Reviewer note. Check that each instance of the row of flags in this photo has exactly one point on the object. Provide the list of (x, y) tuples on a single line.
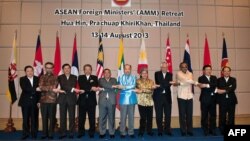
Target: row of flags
[(142, 62)]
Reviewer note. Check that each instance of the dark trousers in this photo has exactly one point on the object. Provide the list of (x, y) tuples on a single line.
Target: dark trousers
[(83, 110), (185, 115), (146, 116), (48, 111), (63, 118), (226, 115), (208, 116), (163, 105), (30, 119)]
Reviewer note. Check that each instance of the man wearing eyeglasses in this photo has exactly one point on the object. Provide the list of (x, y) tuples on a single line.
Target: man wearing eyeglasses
[(48, 87)]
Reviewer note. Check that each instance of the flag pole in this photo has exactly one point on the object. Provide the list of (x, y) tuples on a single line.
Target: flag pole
[(10, 125)]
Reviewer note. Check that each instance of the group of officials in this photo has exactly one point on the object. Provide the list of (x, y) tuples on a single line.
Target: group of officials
[(68, 91)]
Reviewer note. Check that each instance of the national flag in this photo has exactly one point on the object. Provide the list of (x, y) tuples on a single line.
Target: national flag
[(169, 61), (187, 59), (206, 60), (75, 65), (169, 56), (224, 61), (100, 60), (57, 58), (121, 63), (38, 61), (12, 75), (143, 61), (121, 3)]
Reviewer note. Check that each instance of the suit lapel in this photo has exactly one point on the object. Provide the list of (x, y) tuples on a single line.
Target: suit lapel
[(28, 81)]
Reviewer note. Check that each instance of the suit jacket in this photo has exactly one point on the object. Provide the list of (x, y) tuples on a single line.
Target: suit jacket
[(230, 87), (29, 94), (67, 85), (88, 96), (208, 94), (107, 85), (164, 85)]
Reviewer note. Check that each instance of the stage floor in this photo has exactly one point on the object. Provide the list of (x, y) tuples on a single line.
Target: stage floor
[(198, 136)]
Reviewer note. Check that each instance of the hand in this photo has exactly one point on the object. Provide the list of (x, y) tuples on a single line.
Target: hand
[(76, 90), (200, 85), (138, 91), (81, 91), (174, 83), (55, 90), (156, 86), (94, 89), (100, 89), (114, 86), (38, 105), (38, 89), (62, 91), (120, 87), (220, 91)]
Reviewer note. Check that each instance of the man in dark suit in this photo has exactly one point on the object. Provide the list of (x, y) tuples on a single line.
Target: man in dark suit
[(28, 102), (208, 84), (163, 99), (67, 100), (87, 100), (227, 99)]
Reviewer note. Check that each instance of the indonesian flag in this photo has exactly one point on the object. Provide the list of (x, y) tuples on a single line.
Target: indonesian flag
[(57, 58), (143, 62), (207, 60), (38, 61), (100, 60), (12, 75), (121, 63)]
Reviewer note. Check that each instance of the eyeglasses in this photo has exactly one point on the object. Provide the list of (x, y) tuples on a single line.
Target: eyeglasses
[(48, 68)]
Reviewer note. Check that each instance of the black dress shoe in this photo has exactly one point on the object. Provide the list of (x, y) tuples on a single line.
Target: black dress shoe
[(190, 133), (112, 136), (183, 134), (140, 134), (61, 137), (79, 136), (101, 136), (122, 136), (132, 136), (43, 137), (213, 133), (91, 136), (24, 137), (50, 137), (33, 136), (159, 134), (169, 133), (71, 136), (150, 133)]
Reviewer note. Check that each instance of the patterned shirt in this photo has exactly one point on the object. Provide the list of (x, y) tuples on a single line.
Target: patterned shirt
[(47, 83), (145, 98)]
